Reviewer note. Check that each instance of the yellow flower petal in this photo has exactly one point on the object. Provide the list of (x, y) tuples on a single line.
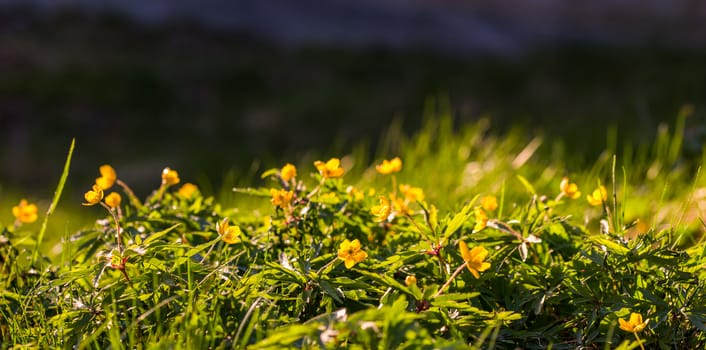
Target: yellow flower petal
[(389, 166), (330, 169), (113, 200), (94, 196), (570, 190), (170, 177), (465, 253), (288, 172), (187, 190), (489, 203), (24, 212)]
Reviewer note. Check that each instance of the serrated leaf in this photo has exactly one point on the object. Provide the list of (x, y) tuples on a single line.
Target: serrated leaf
[(387, 281), (613, 246), (458, 220), (331, 291), (697, 321)]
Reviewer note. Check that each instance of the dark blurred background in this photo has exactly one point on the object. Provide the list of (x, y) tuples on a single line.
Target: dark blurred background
[(216, 87)]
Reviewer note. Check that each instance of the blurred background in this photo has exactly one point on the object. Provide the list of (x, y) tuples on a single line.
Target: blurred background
[(222, 89)]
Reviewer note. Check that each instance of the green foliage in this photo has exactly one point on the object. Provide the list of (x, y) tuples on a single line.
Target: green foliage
[(179, 270)]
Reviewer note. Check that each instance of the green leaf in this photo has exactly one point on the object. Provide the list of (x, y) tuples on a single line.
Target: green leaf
[(387, 281), (527, 185), (613, 246), (332, 292), (153, 237), (269, 172), (456, 296), (697, 321), (458, 220), (258, 192)]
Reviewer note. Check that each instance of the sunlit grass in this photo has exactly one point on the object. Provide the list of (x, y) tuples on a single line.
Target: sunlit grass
[(497, 254)]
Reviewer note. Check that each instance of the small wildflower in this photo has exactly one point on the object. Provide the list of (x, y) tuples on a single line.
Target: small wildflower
[(353, 192), (107, 178), (25, 212), (634, 324), (281, 198), (170, 177), (330, 169), (382, 211), (474, 258), (481, 219), (288, 172), (489, 203), (351, 253), (187, 190), (410, 280), (113, 200), (598, 196), (569, 189), (389, 166), (413, 194), (93, 196), (231, 234), (400, 206)]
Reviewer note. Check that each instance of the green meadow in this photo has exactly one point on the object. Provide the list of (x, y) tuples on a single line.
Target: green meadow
[(185, 189)]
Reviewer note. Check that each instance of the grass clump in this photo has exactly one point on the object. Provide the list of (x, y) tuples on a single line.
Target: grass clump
[(464, 241)]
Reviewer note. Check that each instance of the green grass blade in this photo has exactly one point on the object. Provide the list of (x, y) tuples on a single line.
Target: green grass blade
[(54, 202)]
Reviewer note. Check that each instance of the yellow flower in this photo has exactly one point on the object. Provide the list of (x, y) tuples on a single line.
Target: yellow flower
[(413, 194), (107, 178), (354, 193), (633, 325), (410, 280), (569, 189), (187, 190), (489, 203), (474, 258), (24, 212), (481, 219), (400, 206), (330, 169), (93, 196), (281, 198), (389, 166), (288, 172), (351, 253), (598, 196), (170, 177), (382, 211), (231, 234), (113, 200)]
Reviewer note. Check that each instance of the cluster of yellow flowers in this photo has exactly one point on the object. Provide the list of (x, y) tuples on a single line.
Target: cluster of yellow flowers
[(388, 206), (103, 183), (571, 190)]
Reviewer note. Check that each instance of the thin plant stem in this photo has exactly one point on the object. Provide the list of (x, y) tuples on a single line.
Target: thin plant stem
[(117, 226), (441, 290), (130, 194), (639, 341)]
